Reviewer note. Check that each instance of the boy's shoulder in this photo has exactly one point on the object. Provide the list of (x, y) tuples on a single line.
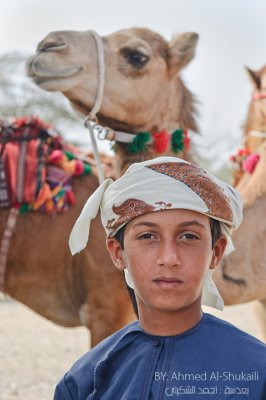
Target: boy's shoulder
[(78, 381), (102, 350)]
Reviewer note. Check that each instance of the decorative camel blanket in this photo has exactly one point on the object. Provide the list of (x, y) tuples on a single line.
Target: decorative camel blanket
[(37, 166)]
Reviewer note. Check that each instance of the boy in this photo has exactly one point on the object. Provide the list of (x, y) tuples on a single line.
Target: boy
[(168, 225)]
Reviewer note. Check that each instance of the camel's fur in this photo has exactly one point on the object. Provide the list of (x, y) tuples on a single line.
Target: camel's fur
[(87, 289), (42, 274), (242, 277)]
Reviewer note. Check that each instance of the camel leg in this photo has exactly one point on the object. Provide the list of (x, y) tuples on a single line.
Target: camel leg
[(105, 313), (260, 311)]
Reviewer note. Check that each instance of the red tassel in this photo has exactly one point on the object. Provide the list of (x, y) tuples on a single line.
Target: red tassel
[(161, 141), (250, 163), (186, 139), (70, 197)]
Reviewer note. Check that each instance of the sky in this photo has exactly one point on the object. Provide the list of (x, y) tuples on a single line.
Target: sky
[(232, 35)]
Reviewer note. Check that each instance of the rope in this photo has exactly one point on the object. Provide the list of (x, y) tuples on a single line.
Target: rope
[(99, 167), (91, 117)]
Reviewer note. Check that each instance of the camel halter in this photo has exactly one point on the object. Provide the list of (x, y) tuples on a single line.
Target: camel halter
[(258, 134), (91, 118), (259, 96)]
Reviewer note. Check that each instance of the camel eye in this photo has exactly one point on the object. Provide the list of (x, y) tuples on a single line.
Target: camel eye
[(137, 59)]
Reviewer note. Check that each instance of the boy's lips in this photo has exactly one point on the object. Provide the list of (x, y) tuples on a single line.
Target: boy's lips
[(167, 282)]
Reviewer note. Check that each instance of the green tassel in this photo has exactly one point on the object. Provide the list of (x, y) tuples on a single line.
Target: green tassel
[(60, 194), (139, 143), (70, 156), (24, 208), (87, 169), (177, 141)]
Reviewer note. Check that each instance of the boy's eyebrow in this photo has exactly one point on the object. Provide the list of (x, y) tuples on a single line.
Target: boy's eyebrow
[(181, 225), (193, 222), (145, 223)]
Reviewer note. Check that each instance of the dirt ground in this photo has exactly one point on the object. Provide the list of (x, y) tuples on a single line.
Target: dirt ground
[(35, 353)]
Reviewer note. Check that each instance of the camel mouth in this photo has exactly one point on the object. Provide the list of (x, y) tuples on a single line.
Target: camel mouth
[(59, 75), (49, 79), (38, 80), (39, 73)]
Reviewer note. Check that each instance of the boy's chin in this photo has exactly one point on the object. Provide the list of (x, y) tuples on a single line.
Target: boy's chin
[(176, 307)]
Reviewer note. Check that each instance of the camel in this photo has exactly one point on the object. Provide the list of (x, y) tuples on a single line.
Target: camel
[(254, 129), (242, 276), (87, 289), (256, 120)]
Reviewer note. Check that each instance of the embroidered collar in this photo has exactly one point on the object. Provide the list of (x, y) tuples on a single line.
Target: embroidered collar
[(160, 141)]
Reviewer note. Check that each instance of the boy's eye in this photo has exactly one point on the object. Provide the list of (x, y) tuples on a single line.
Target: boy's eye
[(190, 236), (146, 236)]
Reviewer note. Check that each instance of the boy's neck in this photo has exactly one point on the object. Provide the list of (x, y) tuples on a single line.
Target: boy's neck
[(171, 323)]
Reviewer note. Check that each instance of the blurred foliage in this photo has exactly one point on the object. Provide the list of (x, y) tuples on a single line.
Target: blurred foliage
[(20, 96)]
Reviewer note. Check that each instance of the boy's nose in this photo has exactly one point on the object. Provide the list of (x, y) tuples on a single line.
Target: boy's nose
[(169, 255)]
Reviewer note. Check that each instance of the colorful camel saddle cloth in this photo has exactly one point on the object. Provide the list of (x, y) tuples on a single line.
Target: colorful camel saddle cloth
[(37, 167)]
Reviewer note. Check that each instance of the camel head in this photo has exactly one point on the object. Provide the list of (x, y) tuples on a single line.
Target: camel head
[(255, 126), (143, 90)]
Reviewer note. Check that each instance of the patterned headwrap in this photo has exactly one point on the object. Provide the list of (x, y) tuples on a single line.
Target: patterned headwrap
[(161, 184)]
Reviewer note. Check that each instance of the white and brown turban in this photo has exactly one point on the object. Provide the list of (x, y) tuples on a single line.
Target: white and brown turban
[(161, 184)]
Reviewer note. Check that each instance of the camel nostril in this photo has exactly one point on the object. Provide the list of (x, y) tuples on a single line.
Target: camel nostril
[(52, 46)]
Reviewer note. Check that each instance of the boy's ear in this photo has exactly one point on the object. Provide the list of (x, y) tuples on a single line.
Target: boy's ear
[(218, 251), (116, 253)]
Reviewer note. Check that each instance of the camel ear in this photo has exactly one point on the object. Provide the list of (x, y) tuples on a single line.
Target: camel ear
[(181, 51), (255, 78)]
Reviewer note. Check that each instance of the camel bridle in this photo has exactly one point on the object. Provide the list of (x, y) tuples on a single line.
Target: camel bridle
[(259, 96), (91, 118), (258, 134), (90, 122)]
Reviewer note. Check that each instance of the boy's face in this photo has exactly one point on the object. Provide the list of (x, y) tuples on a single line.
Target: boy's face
[(167, 254)]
